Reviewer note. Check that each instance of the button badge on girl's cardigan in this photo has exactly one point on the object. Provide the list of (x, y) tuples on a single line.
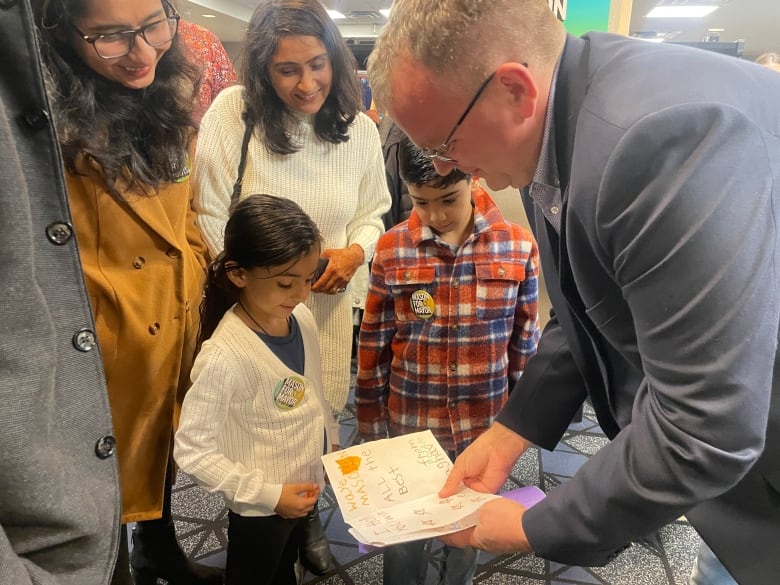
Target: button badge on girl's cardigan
[(422, 304), (289, 392)]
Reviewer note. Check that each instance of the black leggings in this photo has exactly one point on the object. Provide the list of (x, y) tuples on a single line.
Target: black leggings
[(262, 549)]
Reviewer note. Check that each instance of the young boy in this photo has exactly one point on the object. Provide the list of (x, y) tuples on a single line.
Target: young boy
[(450, 321)]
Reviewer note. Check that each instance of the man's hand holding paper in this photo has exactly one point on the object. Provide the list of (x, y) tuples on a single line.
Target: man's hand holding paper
[(485, 466), (491, 532)]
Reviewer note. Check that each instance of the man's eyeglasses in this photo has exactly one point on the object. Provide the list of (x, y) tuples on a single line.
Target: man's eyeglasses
[(440, 152), (119, 44)]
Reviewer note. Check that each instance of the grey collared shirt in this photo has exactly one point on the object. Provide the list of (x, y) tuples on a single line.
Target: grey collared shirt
[(545, 189)]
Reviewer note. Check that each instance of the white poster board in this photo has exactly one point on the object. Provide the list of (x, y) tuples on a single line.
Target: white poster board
[(387, 490)]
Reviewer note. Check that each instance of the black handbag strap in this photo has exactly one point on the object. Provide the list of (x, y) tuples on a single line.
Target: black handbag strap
[(242, 163)]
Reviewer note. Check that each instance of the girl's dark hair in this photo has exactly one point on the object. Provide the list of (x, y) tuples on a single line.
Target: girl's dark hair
[(262, 231), (417, 169), (138, 138), (272, 20)]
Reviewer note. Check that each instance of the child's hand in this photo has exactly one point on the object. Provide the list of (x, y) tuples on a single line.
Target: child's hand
[(297, 499)]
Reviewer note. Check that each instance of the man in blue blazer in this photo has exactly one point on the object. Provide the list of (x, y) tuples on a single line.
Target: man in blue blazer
[(651, 176)]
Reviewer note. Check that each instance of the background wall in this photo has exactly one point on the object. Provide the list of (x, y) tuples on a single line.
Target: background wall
[(586, 15), (233, 49)]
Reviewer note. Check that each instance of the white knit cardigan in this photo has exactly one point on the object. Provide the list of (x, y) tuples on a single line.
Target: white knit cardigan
[(233, 437), (341, 186)]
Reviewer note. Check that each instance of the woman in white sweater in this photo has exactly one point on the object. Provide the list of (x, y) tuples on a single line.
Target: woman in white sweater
[(255, 422), (310, 143)]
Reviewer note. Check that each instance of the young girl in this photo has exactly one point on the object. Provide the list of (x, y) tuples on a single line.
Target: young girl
[(255, 422)]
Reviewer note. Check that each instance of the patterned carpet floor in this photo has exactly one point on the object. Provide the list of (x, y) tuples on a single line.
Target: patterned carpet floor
[(664, 559)]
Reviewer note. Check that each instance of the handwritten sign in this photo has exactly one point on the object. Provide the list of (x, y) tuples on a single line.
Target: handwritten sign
[(387, 490)]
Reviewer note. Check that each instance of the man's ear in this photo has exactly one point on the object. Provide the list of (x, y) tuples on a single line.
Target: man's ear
[(520, 86), (235, 274)]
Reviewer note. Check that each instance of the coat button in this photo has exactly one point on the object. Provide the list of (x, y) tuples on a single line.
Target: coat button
[(154, 328), (105, 446), (84, 340), (172, 253), (36, 118), (59, 232), (407, 276), (453, 367), (501, 271), (138, 262)]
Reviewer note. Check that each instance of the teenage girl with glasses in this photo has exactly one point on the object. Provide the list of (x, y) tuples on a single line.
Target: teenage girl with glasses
[(122, 92)]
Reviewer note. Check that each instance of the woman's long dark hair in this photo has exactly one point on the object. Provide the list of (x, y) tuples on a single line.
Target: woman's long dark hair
[(262, 231), (271, 20), (138, 138)]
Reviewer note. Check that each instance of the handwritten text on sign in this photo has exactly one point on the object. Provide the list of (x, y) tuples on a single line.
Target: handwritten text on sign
[(387, 490), (380, 474)]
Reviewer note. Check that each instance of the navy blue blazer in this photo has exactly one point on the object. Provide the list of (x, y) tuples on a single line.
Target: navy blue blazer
[(664, 281)]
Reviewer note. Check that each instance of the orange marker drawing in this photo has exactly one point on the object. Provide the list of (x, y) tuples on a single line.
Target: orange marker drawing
[(348, 464)]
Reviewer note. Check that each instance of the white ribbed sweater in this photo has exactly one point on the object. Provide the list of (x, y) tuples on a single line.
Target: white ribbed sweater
[(232, 436), (341, 186)]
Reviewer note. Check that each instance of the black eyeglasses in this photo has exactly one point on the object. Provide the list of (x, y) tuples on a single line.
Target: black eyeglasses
[(440, 152), (119, 44)]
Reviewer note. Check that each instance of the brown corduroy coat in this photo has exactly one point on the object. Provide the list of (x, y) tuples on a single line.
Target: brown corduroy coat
[(144, 266)]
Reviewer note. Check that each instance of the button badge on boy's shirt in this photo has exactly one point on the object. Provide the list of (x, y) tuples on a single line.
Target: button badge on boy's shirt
[(289, 392), (422, 304)]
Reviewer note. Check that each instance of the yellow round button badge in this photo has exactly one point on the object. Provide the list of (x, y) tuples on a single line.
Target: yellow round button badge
[(422, 304), (289, 392)]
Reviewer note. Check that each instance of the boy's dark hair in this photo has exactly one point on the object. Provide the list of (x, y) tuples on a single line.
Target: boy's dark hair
[(417, 169), (263, 230), (272, 119)]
